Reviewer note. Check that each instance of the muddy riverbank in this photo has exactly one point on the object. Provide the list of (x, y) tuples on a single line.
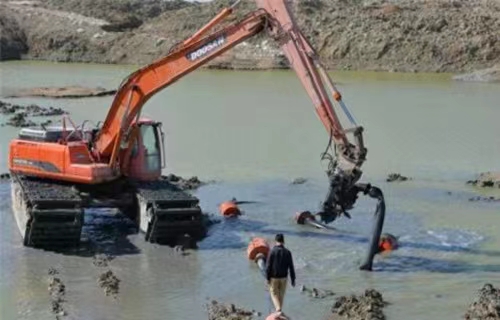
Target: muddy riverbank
[(402, 35), (62, 92)]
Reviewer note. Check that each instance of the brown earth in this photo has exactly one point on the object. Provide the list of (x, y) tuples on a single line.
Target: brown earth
[(62, 92), (401, 35)]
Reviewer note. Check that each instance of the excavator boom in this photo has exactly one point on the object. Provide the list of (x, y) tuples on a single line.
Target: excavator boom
[(127, 146), (144, 83)]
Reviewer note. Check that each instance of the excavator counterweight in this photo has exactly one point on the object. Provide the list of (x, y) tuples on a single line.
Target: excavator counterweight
[(58, 171)]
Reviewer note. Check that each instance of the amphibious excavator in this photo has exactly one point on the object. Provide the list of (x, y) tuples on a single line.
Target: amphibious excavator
[(58, 171)]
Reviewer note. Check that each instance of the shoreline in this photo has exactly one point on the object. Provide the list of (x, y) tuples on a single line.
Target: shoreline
[(404, 36)]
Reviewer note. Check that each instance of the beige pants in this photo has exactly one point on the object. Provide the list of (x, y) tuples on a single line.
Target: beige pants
[(277, 288)]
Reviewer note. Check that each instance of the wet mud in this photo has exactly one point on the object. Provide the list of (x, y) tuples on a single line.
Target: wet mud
[(316, 293), (57, 291), (368, 306), (299, 181), (102, 260), (63, 92), (484, 199), (219, 311), (20, 116), (396, 177), (192, 183), (486, 180), (486, 306), (109, 283)]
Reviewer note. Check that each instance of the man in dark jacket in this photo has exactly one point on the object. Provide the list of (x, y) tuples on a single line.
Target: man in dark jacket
[(279, 262)]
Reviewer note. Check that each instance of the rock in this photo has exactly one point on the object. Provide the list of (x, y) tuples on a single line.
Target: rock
[(486, 306), (396, 177), (485, 75), (367, 306), (218, 311)]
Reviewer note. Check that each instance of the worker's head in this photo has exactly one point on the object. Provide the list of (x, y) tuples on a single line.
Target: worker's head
[(279, 238)]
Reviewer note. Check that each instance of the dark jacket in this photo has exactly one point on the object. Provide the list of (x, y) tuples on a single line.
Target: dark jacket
[(279, 262)]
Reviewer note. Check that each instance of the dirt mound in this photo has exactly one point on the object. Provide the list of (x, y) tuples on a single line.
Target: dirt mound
[(218, 311), (63, 92), (487, 306), (368, 306), (486, 179), (404, 35), (110, 283)]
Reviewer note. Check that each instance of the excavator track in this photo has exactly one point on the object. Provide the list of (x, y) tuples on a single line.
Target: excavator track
[(168, 214), (48, 214)]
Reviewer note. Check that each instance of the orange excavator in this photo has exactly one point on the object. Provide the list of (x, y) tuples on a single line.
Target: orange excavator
[(58, 171)]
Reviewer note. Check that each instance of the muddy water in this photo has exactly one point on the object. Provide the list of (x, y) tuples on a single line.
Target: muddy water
[(255, 132)]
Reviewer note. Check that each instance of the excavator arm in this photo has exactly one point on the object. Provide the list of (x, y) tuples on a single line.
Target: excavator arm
[(275, 18)]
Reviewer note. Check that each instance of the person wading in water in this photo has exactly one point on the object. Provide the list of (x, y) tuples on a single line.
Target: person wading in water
[(279, 262)]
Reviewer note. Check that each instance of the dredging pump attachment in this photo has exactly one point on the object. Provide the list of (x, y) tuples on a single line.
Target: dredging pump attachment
[(341, 197)]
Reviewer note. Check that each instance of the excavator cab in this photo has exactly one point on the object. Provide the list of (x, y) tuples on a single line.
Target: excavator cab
[(147, 158)]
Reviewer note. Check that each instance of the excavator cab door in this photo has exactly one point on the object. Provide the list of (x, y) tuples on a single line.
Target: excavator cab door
[(147, 156)]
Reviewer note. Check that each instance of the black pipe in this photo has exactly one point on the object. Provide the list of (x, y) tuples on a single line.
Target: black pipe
[(375, 193)]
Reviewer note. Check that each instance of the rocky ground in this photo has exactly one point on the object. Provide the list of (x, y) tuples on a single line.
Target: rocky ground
[(400, 35)]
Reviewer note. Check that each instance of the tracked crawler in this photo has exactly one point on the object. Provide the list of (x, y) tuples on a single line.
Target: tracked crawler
[(119, 163), (51, 213)]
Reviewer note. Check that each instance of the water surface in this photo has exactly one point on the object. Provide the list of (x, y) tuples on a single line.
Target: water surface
[(254, 132)]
